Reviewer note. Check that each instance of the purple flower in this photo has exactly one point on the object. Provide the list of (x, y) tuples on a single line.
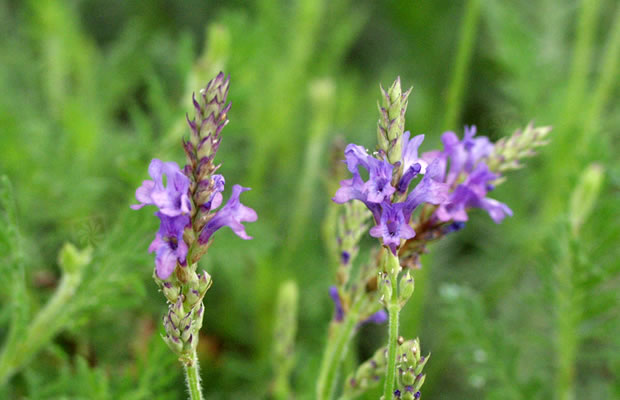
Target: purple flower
[(168, 245), (338, 310), (468, 176), (372, 192), (392, 219), (217, 187), (393, 226), (431, 190), (377, 318), (465, 154), (171, 199), (472, 194), (231, 215), (412, 165), (410, 151)]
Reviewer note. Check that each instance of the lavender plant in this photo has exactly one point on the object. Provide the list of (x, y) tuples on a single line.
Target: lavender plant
[(187, 202), (414, 199)]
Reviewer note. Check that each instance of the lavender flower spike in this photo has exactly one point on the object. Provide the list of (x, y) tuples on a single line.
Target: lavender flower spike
[(231, 215), (172, 199)]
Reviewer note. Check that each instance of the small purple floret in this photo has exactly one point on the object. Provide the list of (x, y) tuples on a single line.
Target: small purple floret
[(378, 187), (466, 158), (454, 227), (338, 310), (472, 194), (217, 185), (168, 245), (392, 226), (171, 199), (231, 215), (377, 318), (410, 149), (345, 256)]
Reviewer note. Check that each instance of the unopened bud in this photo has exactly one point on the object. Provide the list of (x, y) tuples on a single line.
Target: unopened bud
[(385, 288), (171, 292), (407, 396), (174, 343), (204, 282), (408, 377), (72, 260), (193, 296), (405, 288), (421, 363), (419, 381), (176, 311)]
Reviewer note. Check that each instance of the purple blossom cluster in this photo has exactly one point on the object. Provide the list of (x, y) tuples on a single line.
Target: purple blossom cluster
[(174, 213), (455, 180), (468, 177), (189, 198), (174, 208)]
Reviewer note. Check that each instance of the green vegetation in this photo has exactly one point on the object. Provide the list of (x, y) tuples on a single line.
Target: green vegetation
[(91, 91)]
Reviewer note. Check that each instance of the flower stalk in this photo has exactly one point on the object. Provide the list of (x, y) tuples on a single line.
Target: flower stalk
[(417, 198), (335, 351), (391, 269), (192, 376), (188, 200), (52, 316)]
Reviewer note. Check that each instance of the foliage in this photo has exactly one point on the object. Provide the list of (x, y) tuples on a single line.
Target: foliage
[(90, 91)]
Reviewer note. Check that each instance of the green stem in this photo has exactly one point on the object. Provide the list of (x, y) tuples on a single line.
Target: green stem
[(335, 351), (46, 324), (568, 315), (461, 65), (192, 375), (606, 82), (568, 142), (393, 311)]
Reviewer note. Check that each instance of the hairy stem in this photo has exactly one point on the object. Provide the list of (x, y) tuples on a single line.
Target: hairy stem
[(44, 326), (335, 351), (393, 311), (192, 376)]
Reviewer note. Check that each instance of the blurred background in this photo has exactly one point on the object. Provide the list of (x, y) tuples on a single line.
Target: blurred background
[(91, 91)]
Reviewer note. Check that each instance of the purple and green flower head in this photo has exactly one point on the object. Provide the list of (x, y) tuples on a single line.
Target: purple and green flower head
[(187, 199), (400, 181)]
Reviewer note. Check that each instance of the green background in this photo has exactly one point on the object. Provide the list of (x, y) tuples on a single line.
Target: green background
[(91, 91)]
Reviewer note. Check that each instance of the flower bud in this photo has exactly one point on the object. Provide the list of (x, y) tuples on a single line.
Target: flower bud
[(407, 396), (408, 377), (186, 332), (419, 381), (405, 288), (422, 363), (174, 343), (176, 311), (204, 282), (171, 292), (385, 288), (192, 297), (72, 260)]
